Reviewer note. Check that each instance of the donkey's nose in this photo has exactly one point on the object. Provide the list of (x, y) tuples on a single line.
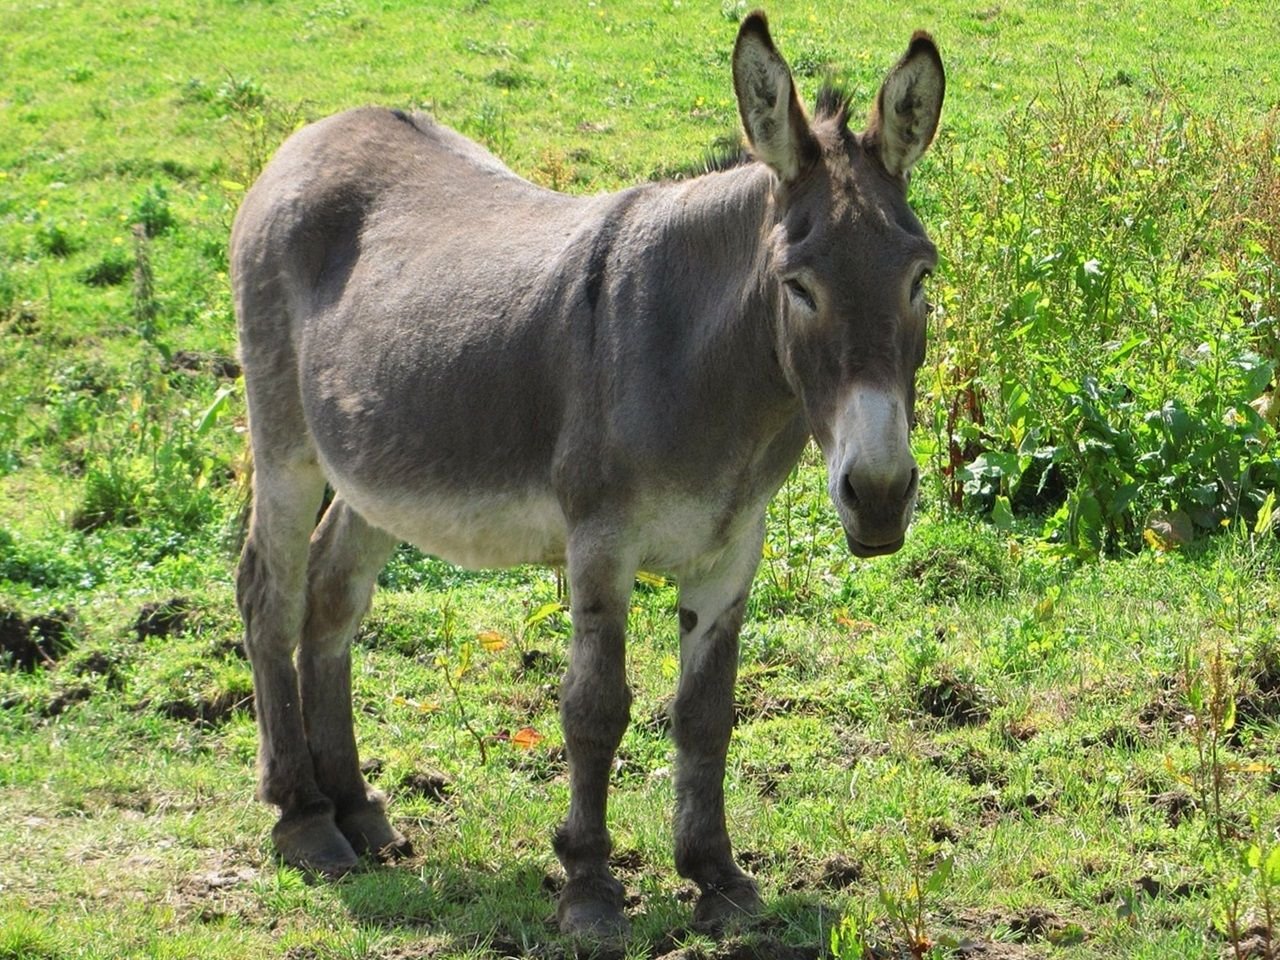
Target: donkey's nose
[(864, 488)]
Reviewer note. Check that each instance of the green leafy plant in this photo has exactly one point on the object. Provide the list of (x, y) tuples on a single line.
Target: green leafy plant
[(1102, 351), (152, 211)]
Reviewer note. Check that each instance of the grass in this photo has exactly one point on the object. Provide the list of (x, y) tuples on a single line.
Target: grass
[(1088, 747)]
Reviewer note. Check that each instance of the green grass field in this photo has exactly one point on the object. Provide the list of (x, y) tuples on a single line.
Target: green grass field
[(1020, 737)]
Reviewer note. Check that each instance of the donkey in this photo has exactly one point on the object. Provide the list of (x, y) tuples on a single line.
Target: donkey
[(501, 374)]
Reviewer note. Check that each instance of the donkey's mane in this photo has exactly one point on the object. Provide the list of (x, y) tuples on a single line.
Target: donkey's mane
[(833, 104), (726, 152)]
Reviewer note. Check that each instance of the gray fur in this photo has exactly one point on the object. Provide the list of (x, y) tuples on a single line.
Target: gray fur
[(502, 374)]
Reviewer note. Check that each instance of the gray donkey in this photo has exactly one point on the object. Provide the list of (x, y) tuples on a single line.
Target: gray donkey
[(501, 374)]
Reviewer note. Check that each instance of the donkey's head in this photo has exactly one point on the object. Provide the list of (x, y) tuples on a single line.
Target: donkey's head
[(846, 266)]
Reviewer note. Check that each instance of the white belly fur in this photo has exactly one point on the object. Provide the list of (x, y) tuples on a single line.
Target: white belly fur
[(675, 534), (494, 530)]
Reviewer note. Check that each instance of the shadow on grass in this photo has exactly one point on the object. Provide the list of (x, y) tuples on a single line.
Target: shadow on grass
[(510, 912)]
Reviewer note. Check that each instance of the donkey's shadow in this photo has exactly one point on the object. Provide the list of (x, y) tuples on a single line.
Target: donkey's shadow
[(510, 912)]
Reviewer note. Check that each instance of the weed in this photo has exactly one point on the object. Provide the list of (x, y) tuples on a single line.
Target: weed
[(55, 240), (794, 543), (852, 937), (145, 308), (488, 124), (151, 211), (111, 270), (235, 95), (254, 124), (454, 662)]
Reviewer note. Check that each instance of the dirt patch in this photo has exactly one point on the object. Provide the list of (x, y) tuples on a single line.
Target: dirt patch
[(1119, 735), (973, 766), (982, 950), (1033, 924), (1260, 701), (1178, 806), (540, 663), (767, 778), (163, 618), (1166, 707), (430, 784), (954, 699), (1254, 944), (1153, 889), (1036, 923), (745, 948), (40, 641), (207, 711), (97, 663), (541, 764), (628, 861), (768, 706), (951, 571), (839, 872), (60, 701), (192, 361)]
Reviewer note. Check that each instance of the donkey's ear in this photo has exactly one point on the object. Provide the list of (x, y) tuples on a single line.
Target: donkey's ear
[(907, 109), (776, 126)]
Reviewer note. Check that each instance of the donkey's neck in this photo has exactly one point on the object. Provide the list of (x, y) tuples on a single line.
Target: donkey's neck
[(696, 328), (714, 230)]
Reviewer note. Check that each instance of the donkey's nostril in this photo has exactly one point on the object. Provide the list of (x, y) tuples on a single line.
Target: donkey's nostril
[(849, 495), (913, 484)]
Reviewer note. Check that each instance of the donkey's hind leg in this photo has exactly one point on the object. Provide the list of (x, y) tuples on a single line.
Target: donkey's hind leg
[(346, 555), (711, 610), (271, 586)]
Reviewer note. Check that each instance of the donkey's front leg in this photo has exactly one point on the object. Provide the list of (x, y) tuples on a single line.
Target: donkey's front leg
[(711, 609), (594, 707)]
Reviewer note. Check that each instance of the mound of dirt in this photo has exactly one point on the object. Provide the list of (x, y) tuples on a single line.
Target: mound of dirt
[(164, 618), (430, 784), (40, 641), (207, 712), (953, 699)]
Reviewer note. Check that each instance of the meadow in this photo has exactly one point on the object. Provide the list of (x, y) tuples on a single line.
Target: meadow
[(1046, 728)]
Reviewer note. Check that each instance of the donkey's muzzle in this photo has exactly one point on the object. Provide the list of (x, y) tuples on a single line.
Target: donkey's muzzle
[(874, 478), (875, 506)]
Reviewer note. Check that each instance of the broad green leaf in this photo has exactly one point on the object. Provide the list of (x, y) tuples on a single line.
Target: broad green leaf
[(1266, 515), (210, 415), (941, 874), (544, 611), (1002, 514)]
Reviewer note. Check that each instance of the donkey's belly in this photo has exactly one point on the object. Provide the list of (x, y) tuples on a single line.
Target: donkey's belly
[(483, 530)]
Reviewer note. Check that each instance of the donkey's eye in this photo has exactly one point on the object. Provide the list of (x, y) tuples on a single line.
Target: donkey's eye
[(918, 287), (800, 292)]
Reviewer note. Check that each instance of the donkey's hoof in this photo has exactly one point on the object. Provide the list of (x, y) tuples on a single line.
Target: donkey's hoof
[(368, 831), (739, 898), (313, 843), (591, 908)]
